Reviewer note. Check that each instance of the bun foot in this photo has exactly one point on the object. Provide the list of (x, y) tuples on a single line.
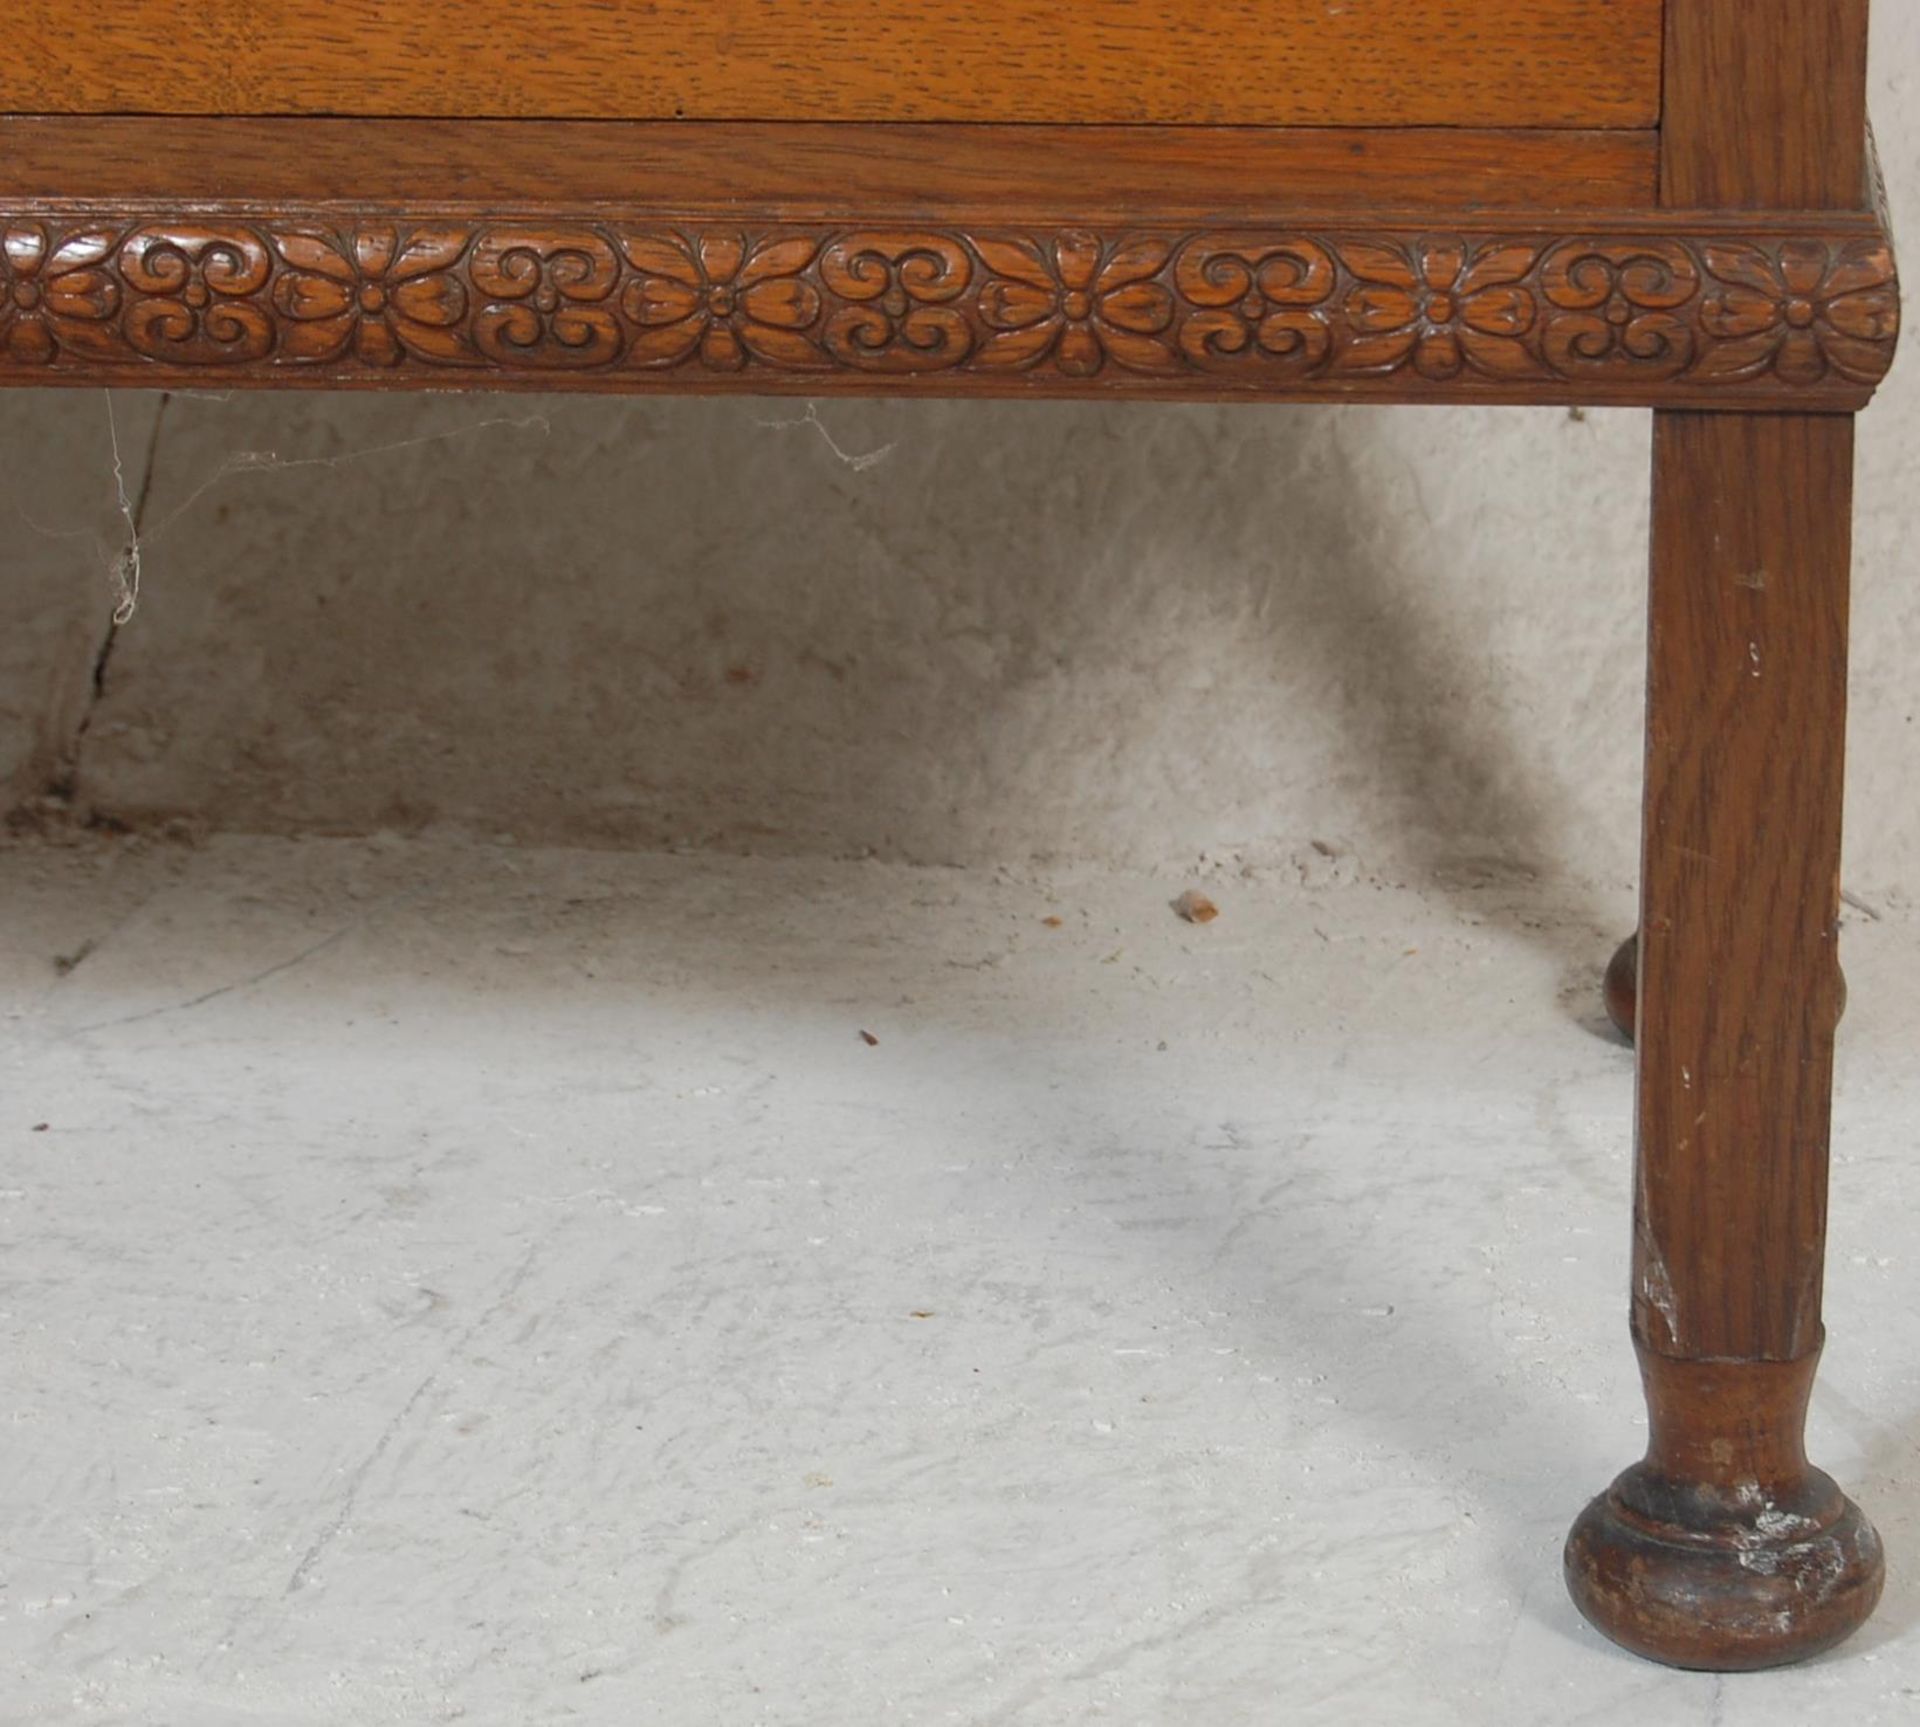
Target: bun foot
[(1676, 1576), (1622, 987), (1724, 1550)]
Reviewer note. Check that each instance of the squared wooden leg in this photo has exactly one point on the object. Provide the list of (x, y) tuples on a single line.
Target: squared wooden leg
[(1724, 1548)]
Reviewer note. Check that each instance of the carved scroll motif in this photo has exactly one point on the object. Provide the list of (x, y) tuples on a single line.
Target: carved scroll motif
[(901, 301), (194, 295)]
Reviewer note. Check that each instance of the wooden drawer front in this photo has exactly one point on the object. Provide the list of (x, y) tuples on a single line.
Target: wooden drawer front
[(1589, 63)]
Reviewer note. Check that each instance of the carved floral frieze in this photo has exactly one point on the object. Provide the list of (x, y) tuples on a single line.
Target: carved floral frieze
[(1401, 314)]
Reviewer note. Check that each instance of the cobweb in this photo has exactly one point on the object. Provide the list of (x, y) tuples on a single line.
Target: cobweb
[(124, 555)]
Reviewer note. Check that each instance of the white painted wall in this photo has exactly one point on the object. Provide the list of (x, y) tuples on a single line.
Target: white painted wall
[(1114, 633)]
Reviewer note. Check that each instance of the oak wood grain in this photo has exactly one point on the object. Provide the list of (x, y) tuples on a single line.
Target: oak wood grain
[(803, 169), (1558, 63), (1739, 965), (1765, 104)]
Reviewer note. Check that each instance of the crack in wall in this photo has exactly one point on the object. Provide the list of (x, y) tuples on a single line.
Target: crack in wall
[(125, 572)]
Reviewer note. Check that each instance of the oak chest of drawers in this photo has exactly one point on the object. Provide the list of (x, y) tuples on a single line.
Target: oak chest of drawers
[(1657, 203)]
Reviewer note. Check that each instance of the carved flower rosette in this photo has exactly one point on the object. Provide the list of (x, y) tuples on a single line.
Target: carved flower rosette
[(1442, 306), (1802, 311), (380, 294), (724, 297), (56, 293), (1075, 303)]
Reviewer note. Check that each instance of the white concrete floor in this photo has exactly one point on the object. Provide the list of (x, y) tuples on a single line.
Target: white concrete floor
[(450, 1283)]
